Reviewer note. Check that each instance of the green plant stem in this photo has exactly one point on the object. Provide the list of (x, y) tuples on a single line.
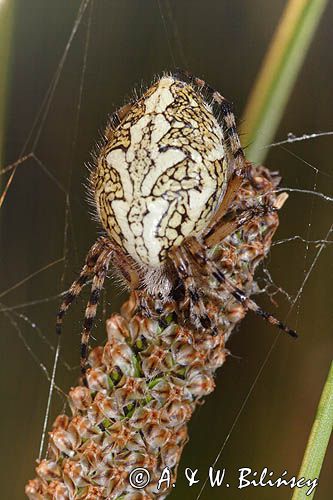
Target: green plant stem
[(278, 74), (318, 439)]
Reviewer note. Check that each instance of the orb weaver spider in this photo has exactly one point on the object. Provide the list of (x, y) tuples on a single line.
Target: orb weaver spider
[(163, 187)]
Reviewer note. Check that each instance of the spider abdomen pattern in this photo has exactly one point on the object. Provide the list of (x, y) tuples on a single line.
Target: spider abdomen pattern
[(162, 172)]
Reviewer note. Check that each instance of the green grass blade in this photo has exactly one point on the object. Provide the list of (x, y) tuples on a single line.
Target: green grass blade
[(319, 438), (278, 74)]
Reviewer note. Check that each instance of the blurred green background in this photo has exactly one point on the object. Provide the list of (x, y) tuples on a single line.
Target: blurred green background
[(121, 45)]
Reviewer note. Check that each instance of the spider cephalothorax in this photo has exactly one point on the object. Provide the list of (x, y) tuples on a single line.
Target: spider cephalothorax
[(164, 188)]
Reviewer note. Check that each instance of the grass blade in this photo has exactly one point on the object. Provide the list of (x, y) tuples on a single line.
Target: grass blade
[(278, 74), (319, 438)]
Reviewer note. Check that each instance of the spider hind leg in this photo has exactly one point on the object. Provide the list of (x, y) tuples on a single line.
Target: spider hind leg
[(198, 253)]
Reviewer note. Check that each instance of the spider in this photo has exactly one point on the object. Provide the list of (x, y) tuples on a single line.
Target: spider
[(163, 187)]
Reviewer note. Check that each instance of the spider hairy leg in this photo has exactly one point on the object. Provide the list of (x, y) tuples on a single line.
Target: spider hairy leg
[(197, 251), (197, 309), (233, 220), (86, 273), (102, 266)]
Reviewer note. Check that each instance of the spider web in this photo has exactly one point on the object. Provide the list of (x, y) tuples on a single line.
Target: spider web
[(312, 234)]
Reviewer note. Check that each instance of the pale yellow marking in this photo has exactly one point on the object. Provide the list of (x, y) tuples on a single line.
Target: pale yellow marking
[(157, 209), (136, 132), (175, 220), (163, 161), (160, 127), (117, 160), (161, 98)]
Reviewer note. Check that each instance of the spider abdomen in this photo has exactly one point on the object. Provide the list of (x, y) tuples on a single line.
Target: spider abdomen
[(162, 172)]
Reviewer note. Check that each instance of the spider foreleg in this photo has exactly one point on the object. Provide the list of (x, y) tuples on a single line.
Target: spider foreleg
[(86, 273), (199, 254)]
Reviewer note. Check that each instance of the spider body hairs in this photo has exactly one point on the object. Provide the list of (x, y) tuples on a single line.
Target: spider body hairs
[(163, 187)]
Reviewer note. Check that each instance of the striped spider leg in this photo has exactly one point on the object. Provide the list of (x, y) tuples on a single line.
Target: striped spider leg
[(197, 253), (95, 269)]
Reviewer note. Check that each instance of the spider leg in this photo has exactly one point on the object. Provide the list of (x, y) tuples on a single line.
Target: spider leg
[(143, 307), (197, 251), (197, 307), (101, 269), (232, 221), (77, 285)]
